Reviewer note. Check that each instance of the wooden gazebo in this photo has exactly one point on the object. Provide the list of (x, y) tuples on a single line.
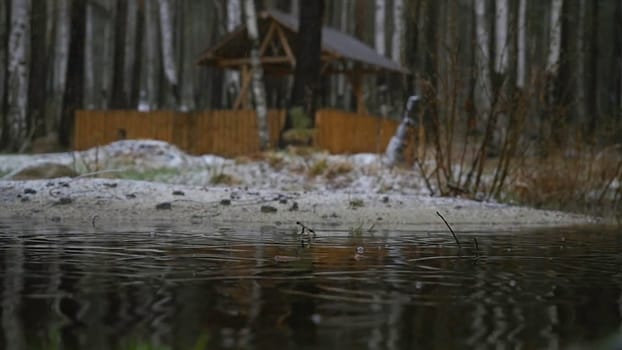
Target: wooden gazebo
[(341, 54)]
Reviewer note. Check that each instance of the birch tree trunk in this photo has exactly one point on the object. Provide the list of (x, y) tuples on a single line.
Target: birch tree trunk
[(259, 90), (3, 63), (232, 78), (343, 94), (59, 66), (379, 36), (187, 66), (168, 52), (521, 45), (150, 63), (129, 50), (398, 31), (555, 37), (501, 36), (483, 90), (18, 74)]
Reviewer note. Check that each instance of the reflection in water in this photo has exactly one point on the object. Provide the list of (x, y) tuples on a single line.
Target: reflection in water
[(79, 288)]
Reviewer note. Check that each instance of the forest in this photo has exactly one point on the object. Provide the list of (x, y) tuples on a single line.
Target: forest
[(543, 71)]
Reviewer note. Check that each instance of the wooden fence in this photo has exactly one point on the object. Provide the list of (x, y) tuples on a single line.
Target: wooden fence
[(232, 133)]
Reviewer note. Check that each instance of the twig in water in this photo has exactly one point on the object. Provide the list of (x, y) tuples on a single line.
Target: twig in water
[(304, 229), (476, 247), (450, 230)]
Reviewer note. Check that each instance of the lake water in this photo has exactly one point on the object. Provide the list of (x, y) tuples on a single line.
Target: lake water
[(159, 287)]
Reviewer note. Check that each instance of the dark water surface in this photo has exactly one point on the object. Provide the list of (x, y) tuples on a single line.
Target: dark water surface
[(158, 287)]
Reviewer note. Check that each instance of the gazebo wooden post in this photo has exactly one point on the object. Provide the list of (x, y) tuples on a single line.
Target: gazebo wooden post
[(241, 102), (356, 80)]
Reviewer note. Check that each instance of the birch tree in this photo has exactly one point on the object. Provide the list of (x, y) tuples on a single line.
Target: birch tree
[(501, 36), (483, 91), (398, 30), (555, 37), (379, 36), (521, 45), (18, 73), (259, 90), (150, 63), (168, 53), (187, 66), (232, 78), (59, 66), (3, 66)]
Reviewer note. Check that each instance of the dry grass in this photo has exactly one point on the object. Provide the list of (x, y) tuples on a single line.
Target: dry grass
[(585, 181), (224, 179)]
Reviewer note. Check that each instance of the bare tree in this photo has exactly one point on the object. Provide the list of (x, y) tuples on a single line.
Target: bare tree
[(259, 90), (18, 74)]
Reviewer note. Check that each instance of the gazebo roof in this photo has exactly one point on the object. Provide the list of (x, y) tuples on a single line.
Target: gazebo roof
[(278, 31)]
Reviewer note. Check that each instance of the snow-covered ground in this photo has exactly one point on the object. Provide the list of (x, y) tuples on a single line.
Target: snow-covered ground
[(358, 173), (274, 187)]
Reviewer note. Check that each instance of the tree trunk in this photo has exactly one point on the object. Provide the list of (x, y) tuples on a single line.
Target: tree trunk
[(302, 104), (59, 66), (379, 25), (501, 36), (259, 90), (232, 78), (129, 50), (18, 74), (187, 66), (150, 63), (3, 63), (295, 7), (555, 38), (108, 20), (89, 58), (483, 90), (168, 52), (398, 31), (521, 45)]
